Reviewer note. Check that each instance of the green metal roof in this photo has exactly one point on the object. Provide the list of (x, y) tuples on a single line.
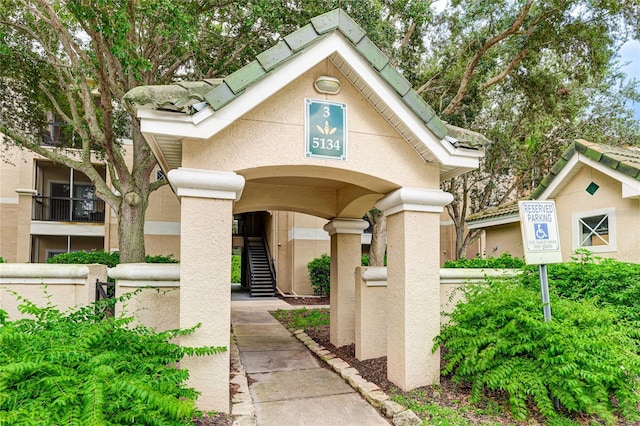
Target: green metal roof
[(191, 97)]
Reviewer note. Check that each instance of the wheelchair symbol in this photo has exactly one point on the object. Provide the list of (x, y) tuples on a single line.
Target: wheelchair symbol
[(542, 232)]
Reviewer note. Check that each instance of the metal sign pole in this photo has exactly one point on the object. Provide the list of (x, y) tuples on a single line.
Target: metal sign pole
[(544, 289)]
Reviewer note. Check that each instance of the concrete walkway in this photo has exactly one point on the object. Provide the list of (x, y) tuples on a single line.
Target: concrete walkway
[(287, 384)]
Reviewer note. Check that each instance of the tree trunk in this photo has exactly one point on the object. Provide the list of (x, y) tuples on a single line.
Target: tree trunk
[(378, 238), (131, 229)]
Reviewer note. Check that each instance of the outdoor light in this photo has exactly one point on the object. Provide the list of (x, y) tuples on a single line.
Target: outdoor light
[(329, 85)]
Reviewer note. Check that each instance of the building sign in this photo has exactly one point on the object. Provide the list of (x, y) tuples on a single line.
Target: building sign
[(540, 237), (325, 129)]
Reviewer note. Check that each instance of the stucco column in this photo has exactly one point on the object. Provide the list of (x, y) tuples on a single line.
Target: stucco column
[(346, 256), (23, 231), (206, 199), (413, 284)]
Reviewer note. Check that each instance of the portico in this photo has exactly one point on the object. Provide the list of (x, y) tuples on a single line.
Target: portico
[(250, 142)]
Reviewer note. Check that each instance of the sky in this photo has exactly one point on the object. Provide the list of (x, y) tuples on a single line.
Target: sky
[(630, 52)]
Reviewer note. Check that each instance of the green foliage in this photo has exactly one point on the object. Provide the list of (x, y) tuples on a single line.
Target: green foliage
[(365, 260), (102, 257), (320, 274), (160, 258), (609, 282), (302, 318), (505, 260), (497, 339), (236, 262), (2, 260), (78, 368)]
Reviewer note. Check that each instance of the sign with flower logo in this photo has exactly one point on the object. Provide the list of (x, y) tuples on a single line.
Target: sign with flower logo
[(325, 129)]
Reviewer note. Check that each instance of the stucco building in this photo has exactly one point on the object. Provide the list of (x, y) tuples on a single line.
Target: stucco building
[(596, 189), (294, 148)]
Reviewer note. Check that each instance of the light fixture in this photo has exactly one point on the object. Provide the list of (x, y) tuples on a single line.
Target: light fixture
[(328, 85)]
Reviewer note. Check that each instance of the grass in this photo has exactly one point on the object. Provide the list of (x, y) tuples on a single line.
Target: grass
[(302, 318)]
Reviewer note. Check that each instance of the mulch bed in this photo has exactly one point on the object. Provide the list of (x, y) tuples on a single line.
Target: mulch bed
[(296, 301)]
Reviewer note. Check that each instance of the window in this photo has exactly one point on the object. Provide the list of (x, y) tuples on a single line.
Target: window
[(595, 230)]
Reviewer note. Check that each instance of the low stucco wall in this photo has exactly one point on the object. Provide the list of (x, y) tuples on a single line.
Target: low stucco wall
[(64, 286), (157, 301), (371, 306)]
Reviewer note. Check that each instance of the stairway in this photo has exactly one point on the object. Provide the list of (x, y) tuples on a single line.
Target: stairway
[(260, 276)]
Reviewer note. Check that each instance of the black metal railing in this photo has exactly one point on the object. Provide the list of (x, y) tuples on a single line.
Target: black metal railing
[(106, 291), (65, 209)]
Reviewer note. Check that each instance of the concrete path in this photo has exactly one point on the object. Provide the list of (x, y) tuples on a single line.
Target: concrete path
[(287, 384)]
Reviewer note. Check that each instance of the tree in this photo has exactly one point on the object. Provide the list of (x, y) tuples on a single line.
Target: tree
[(530, 76), (78, 58)]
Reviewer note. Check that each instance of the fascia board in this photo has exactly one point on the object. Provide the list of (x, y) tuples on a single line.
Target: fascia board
[(503, 220)]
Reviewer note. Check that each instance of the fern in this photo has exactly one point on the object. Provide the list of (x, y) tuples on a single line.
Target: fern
[(585, 356), (80, 368)]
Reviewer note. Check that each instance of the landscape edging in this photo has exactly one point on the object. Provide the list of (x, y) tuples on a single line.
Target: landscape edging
[(397, 413)]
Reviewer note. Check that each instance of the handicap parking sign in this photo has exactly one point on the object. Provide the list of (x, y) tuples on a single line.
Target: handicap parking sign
[(540, 237), (542, 231)]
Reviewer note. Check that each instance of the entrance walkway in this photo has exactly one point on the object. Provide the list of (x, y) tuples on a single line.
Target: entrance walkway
[(287, 384)]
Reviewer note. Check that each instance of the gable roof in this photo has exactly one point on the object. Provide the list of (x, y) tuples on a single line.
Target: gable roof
[(357, 57), (622, 164)]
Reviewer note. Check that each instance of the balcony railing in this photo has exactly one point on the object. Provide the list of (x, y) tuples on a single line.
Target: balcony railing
[(65, 209)]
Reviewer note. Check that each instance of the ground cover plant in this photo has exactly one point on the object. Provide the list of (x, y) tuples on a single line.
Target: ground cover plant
[(302, 318), (79, 368), (585, 357)]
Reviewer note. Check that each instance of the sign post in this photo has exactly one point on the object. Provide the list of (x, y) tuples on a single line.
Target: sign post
[(541, 242)]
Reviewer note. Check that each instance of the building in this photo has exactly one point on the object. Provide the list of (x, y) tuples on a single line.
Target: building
[(596, 189)]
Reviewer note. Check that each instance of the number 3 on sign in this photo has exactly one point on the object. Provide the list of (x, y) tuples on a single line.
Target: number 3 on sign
[(323, 143), (326, 112)]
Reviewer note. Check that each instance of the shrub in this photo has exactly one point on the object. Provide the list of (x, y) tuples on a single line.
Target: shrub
[(77, 368), (505, 260), (609, 282), (236, 262), (2, 260), (320, 274), (102, 257), (497, 339)]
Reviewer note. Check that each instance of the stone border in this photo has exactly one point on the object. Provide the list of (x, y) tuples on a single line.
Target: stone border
[(398, 414), (242, 408)]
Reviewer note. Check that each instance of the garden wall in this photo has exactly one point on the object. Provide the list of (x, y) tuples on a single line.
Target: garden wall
[(64, 286)]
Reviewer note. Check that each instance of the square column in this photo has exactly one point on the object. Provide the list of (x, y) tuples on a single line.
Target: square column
[(346, 256), (413, 284), (206, 199)]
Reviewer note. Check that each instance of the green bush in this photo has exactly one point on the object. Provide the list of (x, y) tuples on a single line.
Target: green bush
[(505, 260), (77, 368), (102, 257), (236, 262), (497, 339), (2, 260), (320, 274), (610, 282)]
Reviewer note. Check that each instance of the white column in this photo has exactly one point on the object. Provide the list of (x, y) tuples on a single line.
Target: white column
[(413, 284), (346, 256), (206, 199)]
